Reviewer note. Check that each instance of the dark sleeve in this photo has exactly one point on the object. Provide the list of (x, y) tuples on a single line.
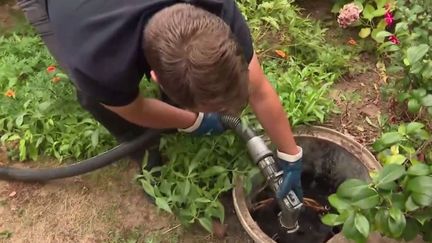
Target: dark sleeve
[(235, 19)]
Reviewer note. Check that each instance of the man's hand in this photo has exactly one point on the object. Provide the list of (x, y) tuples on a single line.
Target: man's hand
[(292, 169), (206, 123)]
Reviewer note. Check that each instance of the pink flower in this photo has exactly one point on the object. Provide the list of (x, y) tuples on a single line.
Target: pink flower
[(388, 18), (349, 14), (394, 39)]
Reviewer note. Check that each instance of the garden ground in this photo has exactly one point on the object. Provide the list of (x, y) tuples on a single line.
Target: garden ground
[(108, 206)]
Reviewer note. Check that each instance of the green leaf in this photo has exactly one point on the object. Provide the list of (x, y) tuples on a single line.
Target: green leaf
[(411, 230), (413, 127), (379, 12), (22, 149), (381, 219), (368, 12), (362, 224), (350, 230), (427, 100), (380, 3), (391, 138), (398, 200), (395, 159), (388, 186), (420, 184), (147, 187), (401, 26), (390, 173), (418, 170), (427, 71), (422, 199), (351, 188), (338, 203), (163, 204), (364, 32), (95, 138), (367, 199), (212, 171), (416, 53), (206, 223), (381, 35), (422, 216), (331, 219), (410, 205), (19, 120), (418, 93), (413, 105), (396, 222)]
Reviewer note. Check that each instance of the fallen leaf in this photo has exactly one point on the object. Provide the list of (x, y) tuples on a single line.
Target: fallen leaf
[(361, 129), (281, 53), (12, 194), (362, 84)]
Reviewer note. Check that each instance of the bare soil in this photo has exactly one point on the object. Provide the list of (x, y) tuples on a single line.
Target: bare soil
[(102, 206)]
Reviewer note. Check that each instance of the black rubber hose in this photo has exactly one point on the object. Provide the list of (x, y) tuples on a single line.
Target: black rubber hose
[(85, 166), (235, 124), (106, 158)]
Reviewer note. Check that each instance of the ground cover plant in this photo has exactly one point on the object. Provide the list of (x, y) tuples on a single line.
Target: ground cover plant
[(296, 58), (397, 202)]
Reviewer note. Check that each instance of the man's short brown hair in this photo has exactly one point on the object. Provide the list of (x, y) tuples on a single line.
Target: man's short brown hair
[(196, 58)]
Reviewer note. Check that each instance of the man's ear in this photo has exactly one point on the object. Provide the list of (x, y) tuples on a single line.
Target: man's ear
[(154, 76)]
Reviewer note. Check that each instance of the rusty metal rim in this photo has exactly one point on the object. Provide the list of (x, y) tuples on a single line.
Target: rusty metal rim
[(358, 150)]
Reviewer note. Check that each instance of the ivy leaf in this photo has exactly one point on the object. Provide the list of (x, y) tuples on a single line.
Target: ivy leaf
[(418, 170), (206, 223), (163, 204), (390, 173), (415, 53), (364, 32), (362, 224)]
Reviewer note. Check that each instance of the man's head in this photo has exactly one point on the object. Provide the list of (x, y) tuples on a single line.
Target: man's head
[(196, 59)]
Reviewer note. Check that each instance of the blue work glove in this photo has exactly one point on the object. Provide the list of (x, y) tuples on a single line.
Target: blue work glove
[(291, 166), (206, 124)]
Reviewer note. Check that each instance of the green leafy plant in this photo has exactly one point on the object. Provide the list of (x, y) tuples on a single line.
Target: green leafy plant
[(33, 120), (397, 204), (199, 171), (396, 147), (397, 201), (410, 55)]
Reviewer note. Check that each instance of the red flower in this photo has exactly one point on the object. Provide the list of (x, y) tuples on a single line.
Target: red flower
[(51, 69), (394, 39), (388, 18)]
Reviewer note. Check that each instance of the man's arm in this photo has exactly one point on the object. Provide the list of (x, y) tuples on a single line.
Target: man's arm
[(153, 113), (268, 108)]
